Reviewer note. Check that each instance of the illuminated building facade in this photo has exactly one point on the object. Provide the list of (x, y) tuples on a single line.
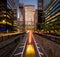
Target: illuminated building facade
[(29, 16), (52, 15), (15, 19), (7, 14)]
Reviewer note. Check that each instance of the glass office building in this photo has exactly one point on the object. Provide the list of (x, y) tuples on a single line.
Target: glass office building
[(52, 15), (7, 8)]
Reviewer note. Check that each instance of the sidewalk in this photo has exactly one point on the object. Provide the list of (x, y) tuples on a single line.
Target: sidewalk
[(6, 34), (48, 34)]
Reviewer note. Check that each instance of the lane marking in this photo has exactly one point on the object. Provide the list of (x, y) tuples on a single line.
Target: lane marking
[(21, 47), (41, 46), (38, 47), (17, 54), (24, 46), (40, 53), (18, 46)]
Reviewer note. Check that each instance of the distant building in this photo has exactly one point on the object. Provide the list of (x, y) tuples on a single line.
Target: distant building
[(40, 4), (22, 17), (35, 19), (40, 14), (52, 14), (29, 16)]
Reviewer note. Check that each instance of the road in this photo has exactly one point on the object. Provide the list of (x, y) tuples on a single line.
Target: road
[(6, 34), (28, 47)]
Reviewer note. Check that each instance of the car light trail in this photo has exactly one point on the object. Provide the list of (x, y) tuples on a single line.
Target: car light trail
[(30, 51), (30, 37)]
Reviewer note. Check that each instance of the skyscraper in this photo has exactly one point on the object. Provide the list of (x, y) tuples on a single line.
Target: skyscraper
[(52, 15), (40, 4), (40, 14), (7, 15), (22, 17)]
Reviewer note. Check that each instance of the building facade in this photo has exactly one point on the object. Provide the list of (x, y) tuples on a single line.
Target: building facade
[(15, 19), (40, 4), (29, 16), (7, 8), (3, 7), (35, 19), (22, 17), (52, 15), (40, 14)]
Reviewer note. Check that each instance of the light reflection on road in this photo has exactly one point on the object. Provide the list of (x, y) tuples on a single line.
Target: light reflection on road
[(30, 51)]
